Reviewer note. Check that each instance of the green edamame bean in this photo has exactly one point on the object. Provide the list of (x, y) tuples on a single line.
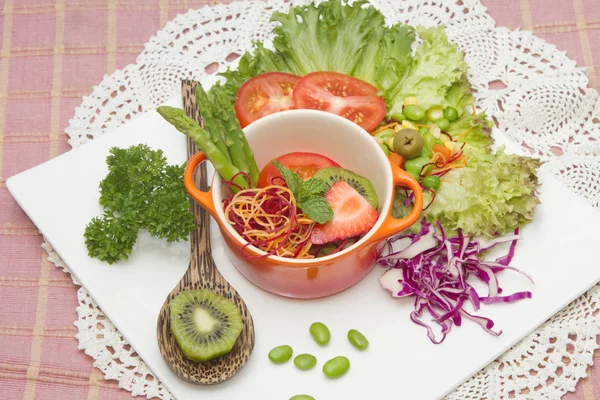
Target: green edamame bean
[(425, 152), (357, 339), (336, 367), (416, 164), (280, 354), (414, 112), (443, 123), (431, 182), (302, 397), (451, 114), (429, 141), (320, 333), (305, 361), (399, 117), (414, 174), (385, 149)]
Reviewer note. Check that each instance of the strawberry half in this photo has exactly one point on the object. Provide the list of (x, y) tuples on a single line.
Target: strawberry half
[(352, 215)]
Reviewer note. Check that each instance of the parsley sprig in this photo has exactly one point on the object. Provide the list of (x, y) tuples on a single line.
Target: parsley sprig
[(140, 192), (308, 194)]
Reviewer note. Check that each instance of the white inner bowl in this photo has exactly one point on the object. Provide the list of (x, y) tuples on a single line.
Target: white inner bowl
[(323, 133)]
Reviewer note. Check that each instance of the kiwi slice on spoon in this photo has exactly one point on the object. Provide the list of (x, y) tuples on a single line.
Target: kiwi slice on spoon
[(205, 325), (361, 184)]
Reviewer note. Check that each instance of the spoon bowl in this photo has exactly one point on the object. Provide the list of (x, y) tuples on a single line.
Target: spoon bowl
[(202, 273)]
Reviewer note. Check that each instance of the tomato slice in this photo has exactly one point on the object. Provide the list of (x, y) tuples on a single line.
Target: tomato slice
[(343, 95), (304, 164), (264, 94)]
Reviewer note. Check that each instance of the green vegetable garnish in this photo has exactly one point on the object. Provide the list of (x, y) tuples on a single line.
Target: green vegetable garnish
[(414, 112), (320, 333), (443, 124), (451, 114), (140, 192), (435, 68), (308, 194), (431, 182), (428, 140), (189, 127), (331, 36), (280, 354), (305, 361), (491, 196), (357, 339), (415, 165), (212, 125), (399, 117), (336, 367)]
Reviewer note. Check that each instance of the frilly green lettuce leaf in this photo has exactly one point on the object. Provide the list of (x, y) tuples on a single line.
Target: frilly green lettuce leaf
[(331, 36), (436, 66), (493, 195), (475, 132), (250, 64), (459, 96)]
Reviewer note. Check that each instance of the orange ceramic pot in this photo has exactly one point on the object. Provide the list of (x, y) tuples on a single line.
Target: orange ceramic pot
[(351, 147)]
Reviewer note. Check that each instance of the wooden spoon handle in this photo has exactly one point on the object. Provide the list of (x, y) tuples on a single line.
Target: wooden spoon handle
[(200, 257)]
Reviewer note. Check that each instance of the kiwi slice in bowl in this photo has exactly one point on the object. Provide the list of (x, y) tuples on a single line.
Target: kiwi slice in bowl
[(204, 324), (361, 184)]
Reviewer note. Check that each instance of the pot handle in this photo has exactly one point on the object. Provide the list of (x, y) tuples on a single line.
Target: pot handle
[(391, 225), (203, 198)]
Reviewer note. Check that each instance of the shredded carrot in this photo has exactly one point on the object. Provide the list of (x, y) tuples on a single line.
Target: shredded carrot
[(267, 219), (435, 157), (443, 150), (474, 111), (383, 128), (459, 163)]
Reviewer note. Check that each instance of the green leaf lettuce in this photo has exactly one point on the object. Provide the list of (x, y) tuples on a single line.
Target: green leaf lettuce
[(493, 194)]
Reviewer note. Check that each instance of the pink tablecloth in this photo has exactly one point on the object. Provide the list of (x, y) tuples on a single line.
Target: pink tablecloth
[(52, 53)]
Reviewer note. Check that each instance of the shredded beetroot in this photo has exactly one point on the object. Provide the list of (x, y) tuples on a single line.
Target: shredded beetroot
[(282, 221), (433, 196)]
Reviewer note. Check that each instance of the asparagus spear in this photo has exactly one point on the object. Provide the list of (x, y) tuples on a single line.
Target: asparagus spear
[(189, 127), (211, 125), (236, 149), (234, 131), (254, 171)]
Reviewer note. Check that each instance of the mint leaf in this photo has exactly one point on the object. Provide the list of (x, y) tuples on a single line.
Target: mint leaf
[(318, 209), (309, 194), (312, 187), (293, 180)]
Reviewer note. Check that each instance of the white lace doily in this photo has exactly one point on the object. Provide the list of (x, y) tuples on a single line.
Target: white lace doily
[(537, 97)]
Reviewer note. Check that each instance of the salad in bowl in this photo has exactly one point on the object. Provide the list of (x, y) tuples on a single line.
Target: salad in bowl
[(310, 226), (346, 131)]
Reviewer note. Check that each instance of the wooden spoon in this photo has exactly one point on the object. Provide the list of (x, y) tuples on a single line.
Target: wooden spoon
[(202, 273)]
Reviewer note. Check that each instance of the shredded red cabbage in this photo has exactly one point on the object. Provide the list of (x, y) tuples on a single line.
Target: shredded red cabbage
[(435, 269)]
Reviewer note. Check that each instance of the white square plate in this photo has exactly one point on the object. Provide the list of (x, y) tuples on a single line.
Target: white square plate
[(559, 249)]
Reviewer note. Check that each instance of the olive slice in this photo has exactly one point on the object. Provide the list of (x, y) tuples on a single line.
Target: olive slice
[(408, 143)]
